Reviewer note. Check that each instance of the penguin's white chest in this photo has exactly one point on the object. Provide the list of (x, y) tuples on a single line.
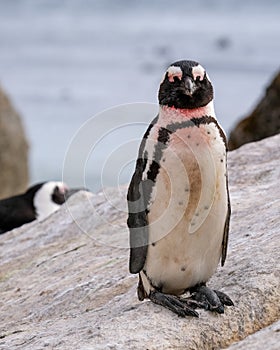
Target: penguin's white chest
[(187, 210)]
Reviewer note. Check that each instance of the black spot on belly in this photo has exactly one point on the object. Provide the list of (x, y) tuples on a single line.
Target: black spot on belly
[(206, 207), (153, 244), (186, 189), (221, 160), (181, 203), (183, 268)]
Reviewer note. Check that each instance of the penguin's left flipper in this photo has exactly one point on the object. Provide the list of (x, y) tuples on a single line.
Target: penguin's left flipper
[(209, 299), (180, 307)]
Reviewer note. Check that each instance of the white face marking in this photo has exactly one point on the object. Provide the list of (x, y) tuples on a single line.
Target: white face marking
[(207, 76), (198, 72), (43, 203), (173, 72)]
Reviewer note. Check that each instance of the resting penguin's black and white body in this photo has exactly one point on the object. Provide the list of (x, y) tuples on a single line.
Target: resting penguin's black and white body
[(37, 202), (178, 198)]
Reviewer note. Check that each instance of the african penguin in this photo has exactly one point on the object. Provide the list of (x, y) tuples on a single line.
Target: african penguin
[(178, 198), (37, 202)]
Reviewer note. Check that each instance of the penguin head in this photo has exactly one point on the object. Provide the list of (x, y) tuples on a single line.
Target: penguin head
[(49, 197), (185, 85)]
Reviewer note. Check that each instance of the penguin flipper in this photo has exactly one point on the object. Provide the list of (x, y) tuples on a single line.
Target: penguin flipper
[(138, 196), (137, 223), (226, 230)]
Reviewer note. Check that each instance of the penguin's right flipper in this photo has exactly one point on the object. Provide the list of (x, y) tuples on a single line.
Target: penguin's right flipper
[(138, 196), (137, 223)]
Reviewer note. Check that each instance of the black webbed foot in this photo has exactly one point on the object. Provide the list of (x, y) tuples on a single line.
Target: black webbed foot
[(180, 307), (225, 299), (209, 299), (191, 302)]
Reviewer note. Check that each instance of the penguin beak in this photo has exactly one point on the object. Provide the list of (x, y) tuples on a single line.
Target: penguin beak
[(189, 87)]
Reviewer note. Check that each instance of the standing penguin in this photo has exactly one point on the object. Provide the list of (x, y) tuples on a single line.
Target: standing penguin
[(178, 199), (37, 202)]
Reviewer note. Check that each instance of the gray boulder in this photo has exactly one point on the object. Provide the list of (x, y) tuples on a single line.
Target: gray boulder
[(65, 282), (267, 338)]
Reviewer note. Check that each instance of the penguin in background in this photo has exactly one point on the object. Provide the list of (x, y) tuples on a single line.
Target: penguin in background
[(37, 202), (178, 198)]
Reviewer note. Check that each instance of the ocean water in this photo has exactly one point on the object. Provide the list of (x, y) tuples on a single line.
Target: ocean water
[(64, 62)]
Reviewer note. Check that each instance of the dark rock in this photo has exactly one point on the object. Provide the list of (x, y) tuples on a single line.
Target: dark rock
[(263, 122)]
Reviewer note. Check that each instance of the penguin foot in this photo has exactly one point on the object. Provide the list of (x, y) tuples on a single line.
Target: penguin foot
[(209, 299), (181, 307)]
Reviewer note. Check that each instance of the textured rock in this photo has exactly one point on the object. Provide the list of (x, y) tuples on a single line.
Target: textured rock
[(13, 150), (65, 281), (267, 338), (264, 121)]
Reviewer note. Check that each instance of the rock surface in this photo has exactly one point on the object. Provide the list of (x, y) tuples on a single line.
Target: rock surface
[(264, 121), (13, 150), (65, 281), (267, 338)]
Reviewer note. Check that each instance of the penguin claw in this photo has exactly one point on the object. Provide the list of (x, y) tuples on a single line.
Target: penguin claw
[(209, 299), (225, 299), (194, 304), (173, 303)]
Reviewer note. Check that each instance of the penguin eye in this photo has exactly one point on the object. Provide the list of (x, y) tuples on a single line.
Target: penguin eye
[(200, 77), (176, 79), (58, 196)]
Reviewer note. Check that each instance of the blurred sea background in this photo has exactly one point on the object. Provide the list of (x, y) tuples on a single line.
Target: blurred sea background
[(62, 62)]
